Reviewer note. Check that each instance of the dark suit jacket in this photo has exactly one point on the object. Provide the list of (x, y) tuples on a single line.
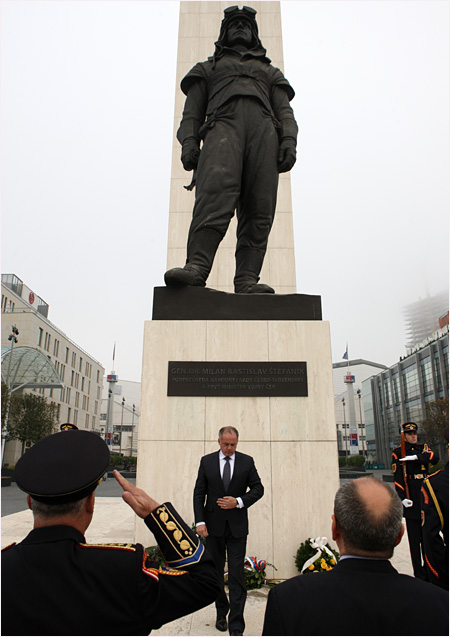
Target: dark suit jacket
[(209, 487), (357, 597)]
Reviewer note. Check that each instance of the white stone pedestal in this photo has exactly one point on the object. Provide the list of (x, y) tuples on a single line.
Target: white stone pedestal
[(293, 440)]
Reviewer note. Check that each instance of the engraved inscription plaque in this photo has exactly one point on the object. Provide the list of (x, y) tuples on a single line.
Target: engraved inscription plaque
[(199, 378)]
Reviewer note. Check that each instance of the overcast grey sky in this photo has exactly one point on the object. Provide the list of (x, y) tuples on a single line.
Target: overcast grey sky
[(86, 156)]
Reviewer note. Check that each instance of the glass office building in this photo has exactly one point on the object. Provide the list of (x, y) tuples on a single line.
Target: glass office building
[(400, 394)]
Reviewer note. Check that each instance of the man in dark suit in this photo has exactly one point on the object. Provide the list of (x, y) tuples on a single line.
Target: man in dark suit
[(54, 583), (363, 594), (221, 501)]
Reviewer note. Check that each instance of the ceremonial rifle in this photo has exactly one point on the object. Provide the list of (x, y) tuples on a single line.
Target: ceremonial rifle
[(405, 473)]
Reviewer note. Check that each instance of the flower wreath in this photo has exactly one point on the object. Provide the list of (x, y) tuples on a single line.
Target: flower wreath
[(315, 555)]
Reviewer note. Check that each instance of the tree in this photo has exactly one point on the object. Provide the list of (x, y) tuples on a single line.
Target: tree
[(31, 418), (436, 420), (5, 402)]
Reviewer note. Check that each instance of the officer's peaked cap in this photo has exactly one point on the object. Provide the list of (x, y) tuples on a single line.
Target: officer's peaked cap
[(409, 427), (63, 467)]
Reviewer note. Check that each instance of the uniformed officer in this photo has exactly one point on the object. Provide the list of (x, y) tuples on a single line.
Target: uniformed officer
[(410, 467), (435, 525), (54, 583)]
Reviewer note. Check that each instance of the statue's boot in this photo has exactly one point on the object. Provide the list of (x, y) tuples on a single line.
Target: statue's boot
[(248, 266), (202, 248)]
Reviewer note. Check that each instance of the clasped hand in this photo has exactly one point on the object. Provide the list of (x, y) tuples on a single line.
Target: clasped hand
[(227, 502)]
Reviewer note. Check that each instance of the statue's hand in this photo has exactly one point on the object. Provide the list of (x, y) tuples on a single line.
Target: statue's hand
[(287, 155), (190, 152)]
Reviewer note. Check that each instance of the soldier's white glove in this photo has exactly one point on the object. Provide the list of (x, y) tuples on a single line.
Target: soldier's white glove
[(406, 458), (407, 503)]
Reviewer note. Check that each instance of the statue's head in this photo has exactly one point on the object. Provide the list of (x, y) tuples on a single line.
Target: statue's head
[(239, 27)]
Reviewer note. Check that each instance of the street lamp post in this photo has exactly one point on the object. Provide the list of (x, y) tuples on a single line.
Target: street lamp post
[(132, 430), (121, 427), (13, 338), (358, 391), (345, 438)]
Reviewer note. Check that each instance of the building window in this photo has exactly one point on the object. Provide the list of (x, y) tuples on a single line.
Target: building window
[(40, 336), (62, 396), (56, 347), (77, 398), (87, 421), (81, 362), (75, 417), (69, 413), (82, 383), (62, 371), (66, 360), (98, 375), (68, 391), (74, 359)]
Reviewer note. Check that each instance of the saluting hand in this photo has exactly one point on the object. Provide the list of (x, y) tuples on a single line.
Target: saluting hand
[(227, 502), (141, 503)]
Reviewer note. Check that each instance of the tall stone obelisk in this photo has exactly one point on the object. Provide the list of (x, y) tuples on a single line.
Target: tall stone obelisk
[(292, 438)]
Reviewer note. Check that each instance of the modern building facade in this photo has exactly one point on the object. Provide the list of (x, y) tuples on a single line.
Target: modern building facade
[(422, 317), (126, 409), (353, 437), (401, 392), (79, 400)]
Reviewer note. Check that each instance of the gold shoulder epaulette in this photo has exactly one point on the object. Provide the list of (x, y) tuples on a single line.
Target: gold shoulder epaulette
[(115, 546), (8, 547)]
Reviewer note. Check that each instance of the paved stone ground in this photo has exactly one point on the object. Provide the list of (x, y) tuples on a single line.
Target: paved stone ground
[(14, 500)]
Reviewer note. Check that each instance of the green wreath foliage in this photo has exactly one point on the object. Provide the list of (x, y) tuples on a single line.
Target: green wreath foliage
[(305, 552)]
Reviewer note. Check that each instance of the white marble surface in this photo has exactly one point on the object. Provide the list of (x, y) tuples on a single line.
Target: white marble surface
[(291, 438)]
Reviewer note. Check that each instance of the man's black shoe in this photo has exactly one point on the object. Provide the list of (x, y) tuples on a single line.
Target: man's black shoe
[(236, 632), (221, 623)]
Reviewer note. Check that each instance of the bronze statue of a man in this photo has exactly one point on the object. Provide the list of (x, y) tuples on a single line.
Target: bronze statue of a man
[(237, 105)]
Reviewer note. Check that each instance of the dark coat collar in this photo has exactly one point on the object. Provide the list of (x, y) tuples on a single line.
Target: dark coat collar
[(362, 564), (53, 534)]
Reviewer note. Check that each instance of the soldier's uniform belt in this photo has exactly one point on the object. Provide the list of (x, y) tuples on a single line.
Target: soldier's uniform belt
[(418, 476)]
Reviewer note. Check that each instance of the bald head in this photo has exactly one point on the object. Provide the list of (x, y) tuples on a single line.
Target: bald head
[(369, 516)]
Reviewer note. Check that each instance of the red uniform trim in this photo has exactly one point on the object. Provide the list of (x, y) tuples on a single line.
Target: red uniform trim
[(397, 484), (426, 499), (8, 547), (435, 573), (151, 572)]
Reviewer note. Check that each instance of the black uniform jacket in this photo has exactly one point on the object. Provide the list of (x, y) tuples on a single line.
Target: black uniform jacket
[(209, 487), (435, 526), (357, 597), (417, 471), (53, 583)]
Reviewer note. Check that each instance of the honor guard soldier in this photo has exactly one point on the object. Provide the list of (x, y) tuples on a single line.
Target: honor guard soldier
[(54, 583), (410, 467), (435, 525)]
